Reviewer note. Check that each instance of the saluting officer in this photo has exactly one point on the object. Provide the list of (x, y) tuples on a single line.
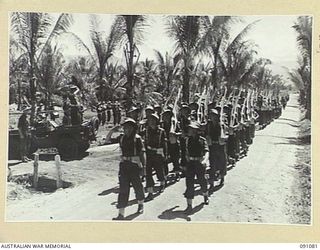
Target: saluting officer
[(155, 140), (197, 156), (132, 159)]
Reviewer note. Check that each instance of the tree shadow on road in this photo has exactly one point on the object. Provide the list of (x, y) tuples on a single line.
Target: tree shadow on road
[(296, 141), (171, 213), (286, 119), (292, 125), (292, 106), (11, 164)]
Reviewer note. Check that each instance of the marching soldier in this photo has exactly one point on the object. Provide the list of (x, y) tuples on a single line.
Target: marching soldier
[(155, 140), (173, 145), (217, 148), (184, 124), (132, 159), (143, 123), (134, 113), (197, 156), (157, 109), (109, 108)]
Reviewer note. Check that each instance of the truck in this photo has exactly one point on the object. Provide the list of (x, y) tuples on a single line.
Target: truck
[(71, 141)]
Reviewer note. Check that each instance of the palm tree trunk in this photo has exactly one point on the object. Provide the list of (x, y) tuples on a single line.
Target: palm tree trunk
[(186, 84), (308, 102), (19, 94)]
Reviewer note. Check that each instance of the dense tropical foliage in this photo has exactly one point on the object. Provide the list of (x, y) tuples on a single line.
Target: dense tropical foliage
[(205, 56)]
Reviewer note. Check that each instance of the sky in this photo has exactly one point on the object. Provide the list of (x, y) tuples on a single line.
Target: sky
[(274, 36)]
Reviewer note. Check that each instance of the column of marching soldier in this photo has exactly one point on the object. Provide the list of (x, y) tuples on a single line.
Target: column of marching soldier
[(199, 140)]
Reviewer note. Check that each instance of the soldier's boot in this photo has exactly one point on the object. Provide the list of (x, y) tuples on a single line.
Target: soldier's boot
[(150, 195), (119, 217), (140, 209), (177, 175), (206, 199), (211, 187), (162, 186), (188, 210), (222, 181)]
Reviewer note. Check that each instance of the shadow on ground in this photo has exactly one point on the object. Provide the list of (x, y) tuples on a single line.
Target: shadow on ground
[(171, 213)]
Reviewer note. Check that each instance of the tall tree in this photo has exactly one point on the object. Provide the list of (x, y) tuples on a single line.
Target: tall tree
[(131, 28), (236, 60), (217, 34), (34, 32), (104, 46), (303, 28), (167, 69), (186, 31)]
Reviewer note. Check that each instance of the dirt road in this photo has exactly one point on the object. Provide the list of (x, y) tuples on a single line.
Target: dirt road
[(257, 189)]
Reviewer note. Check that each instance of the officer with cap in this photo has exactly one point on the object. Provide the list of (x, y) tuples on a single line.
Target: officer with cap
[(155, 141), (197, 155), (132, 159)]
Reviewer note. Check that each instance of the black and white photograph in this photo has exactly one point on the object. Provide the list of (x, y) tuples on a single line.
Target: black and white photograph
[(159, 118)]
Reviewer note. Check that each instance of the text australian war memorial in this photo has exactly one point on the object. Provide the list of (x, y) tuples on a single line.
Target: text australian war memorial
[(178, 117)]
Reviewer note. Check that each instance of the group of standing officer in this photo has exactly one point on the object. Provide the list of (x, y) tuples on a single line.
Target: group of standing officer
[(199, 149)]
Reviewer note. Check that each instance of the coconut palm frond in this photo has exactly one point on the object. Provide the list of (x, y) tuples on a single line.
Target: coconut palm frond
[(75, 39), (130, 28), (61, 26), (296, 78), (239, 38), (303, 27), (113, 40), (159, 58)]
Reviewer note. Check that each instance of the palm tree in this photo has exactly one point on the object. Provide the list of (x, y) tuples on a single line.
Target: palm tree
[(34, 32), (237, 61), (50, 72), (303, 28), (167, 70), (217, 34), (186, 31), (104, 47), (130, 30)]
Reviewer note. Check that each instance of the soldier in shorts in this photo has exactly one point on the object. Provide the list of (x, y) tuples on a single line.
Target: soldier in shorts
[(197, 156), (132, 159)]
